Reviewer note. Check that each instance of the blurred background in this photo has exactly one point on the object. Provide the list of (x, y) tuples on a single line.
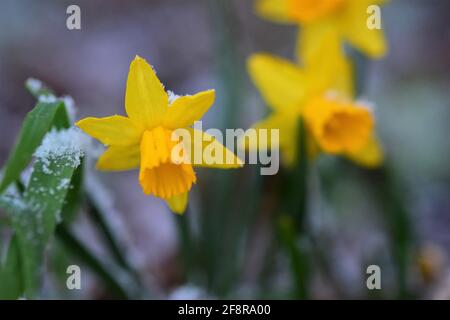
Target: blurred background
[(234, 249)]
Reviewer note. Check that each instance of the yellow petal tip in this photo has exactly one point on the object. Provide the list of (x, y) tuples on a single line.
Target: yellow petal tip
[(178, 203), (81, 123)]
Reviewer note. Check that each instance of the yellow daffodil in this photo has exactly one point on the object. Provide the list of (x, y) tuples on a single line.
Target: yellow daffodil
[(144, 139), (321, 93), (346, 19)]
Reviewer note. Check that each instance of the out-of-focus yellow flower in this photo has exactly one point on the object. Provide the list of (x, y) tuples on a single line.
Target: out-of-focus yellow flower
[(144, 138), (338, 126), (346, 19), (322, 94)]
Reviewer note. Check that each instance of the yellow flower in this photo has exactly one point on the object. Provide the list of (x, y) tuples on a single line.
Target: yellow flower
[(321, 93), (346, 19), (338, 126), (144, 138)]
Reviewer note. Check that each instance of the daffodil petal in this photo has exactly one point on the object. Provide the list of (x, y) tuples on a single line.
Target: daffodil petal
[(275, 10), (119, 158), (281, 83), (115, 130), (371, 156), (310, 38), (206, 151), (286, 123), (178, 203), (325, 63), (353, 25), (187, 109), (146, 100)]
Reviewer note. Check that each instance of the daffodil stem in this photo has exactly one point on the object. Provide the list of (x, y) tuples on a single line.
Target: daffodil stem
[(301, 178), (298, 256), (295, 238), (399, 226), (185, 242)]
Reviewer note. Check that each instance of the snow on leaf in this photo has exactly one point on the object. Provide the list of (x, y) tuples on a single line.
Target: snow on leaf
[(64, 144)]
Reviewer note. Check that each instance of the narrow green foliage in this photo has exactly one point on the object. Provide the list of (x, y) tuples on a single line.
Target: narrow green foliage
[(36, 124)]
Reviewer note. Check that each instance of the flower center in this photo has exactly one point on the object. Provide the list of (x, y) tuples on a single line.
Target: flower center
[(339, 126), (159, 175), (310, 10)]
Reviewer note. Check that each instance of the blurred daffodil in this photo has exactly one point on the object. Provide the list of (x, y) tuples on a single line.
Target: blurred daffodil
[(322, 94), (144, 139), (346, 19)]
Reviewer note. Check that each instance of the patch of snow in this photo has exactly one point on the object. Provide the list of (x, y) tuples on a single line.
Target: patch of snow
[(64, 144), (47, 98), (34, 84), (70, 107), (63, 184)]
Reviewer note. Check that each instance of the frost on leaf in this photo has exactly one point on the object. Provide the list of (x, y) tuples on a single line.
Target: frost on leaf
[(35, 85), (66, 145), (47, 98), (71, 109)]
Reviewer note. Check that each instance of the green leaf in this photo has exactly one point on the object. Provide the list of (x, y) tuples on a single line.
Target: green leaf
[(11, 286), (35, 224), (36, 124), (35, 214), (74, 196)]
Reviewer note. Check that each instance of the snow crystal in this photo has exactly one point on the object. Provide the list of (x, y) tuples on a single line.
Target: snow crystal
[(70, 106), (64, 144), (63, 184), (172, 96), (47, 98), (34, 84)]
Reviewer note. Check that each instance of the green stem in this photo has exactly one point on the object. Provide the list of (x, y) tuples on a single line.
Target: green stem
[(298, 256), (400, 227), (301, 178), (295, 239), (185, 242), (78, 249)]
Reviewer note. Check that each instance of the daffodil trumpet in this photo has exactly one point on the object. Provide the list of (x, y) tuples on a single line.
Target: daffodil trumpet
[(144, 138)]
